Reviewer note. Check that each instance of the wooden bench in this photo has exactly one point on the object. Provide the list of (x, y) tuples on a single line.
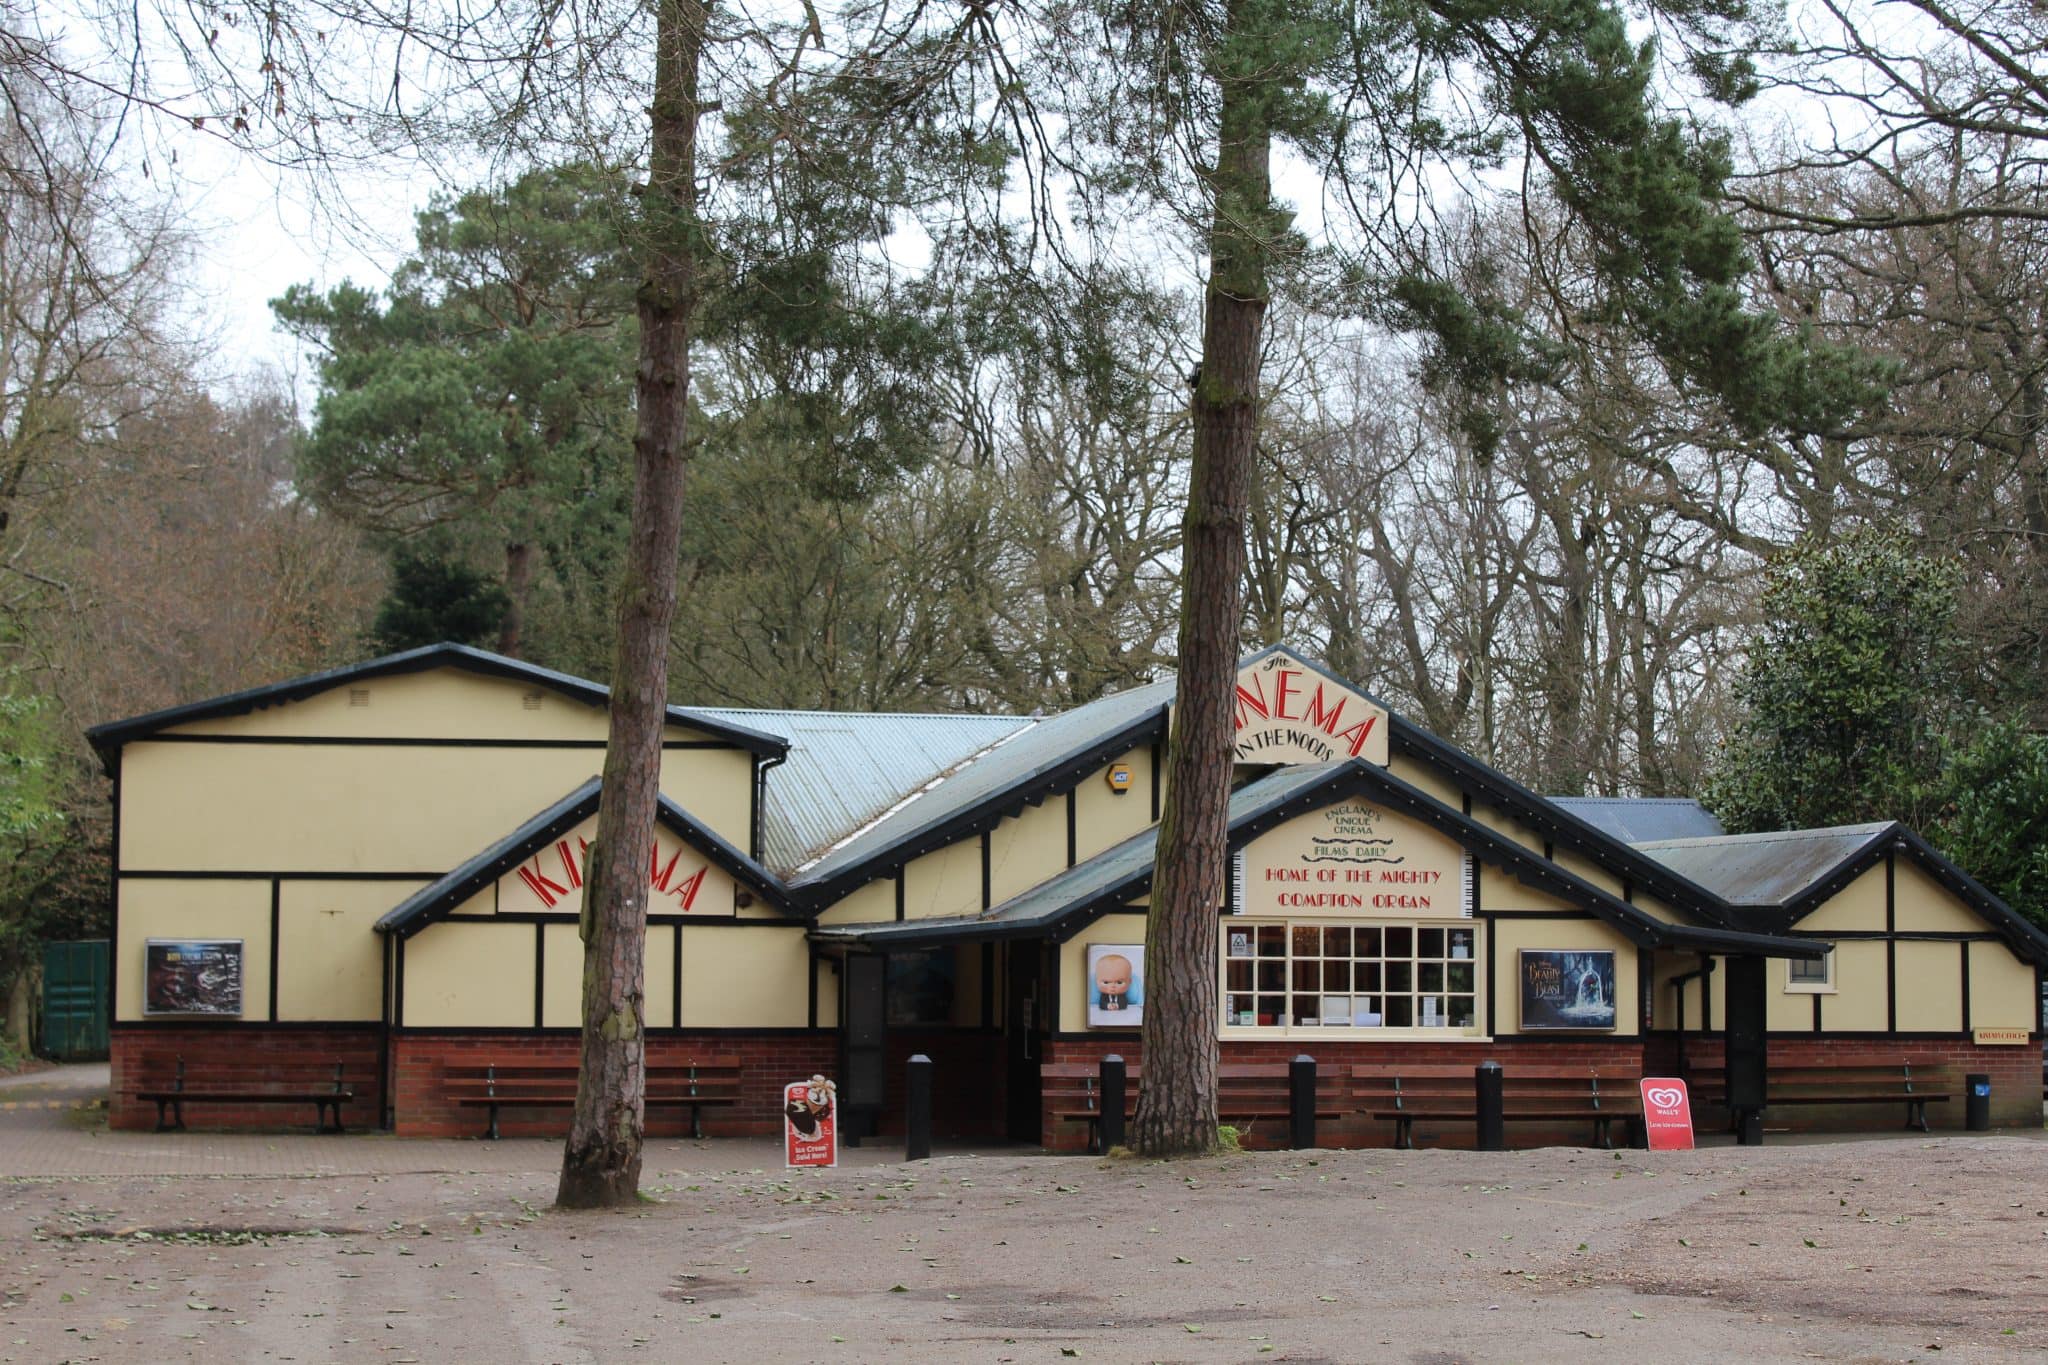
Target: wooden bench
[(1883, 1083), (1247, 1093), (699, 1085), (284, 1083), (1403, 1095)]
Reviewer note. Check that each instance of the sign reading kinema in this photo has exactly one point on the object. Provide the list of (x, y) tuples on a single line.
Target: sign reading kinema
[(1288, 712)]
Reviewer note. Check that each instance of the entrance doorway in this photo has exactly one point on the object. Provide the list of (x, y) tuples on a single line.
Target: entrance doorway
[(1027, 1013)]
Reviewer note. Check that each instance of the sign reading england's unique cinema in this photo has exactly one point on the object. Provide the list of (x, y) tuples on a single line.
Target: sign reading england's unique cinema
[(1350, 859), (1288, 712)]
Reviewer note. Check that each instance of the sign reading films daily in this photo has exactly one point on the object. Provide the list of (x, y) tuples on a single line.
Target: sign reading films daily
[(192, 976), (679, 880), (1350, 859), (810, 1123), (1288, 712), (1667, 1114)]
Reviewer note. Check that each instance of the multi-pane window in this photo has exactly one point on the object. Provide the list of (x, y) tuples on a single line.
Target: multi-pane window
[(1308, 974), (1816, 974)]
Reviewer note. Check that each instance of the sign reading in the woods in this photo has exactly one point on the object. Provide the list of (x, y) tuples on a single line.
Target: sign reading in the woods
[(1288, 712), (192, 976), (810, 1123), (1564, 989)]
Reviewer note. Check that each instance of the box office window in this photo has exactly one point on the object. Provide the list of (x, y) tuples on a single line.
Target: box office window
[(920, 987), (1296, 975)]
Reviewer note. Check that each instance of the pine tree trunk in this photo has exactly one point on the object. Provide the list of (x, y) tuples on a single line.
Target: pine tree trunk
[(1177, 1104), (601, 1162), (518, 585)]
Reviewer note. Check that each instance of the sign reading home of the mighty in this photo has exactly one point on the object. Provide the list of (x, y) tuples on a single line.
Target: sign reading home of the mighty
[(1288, 712), (1354, 858), (679, 880)]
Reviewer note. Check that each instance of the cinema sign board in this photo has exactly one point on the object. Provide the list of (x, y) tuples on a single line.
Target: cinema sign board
[(1291, 712), (680, 881)]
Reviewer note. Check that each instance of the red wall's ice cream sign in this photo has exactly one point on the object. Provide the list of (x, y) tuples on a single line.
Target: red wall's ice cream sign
[(1354, 860), (1288, 712)]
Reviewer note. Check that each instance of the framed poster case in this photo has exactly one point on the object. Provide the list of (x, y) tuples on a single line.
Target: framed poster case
[(1567, 989), (192, 976)]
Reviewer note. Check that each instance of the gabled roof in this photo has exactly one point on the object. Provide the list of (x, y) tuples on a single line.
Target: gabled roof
[(1777, 879), (1066, 903), (436, 900), (109, 737), (845, 770), (1766, 871), (1032, 764), (1564, 828), (1640, 819)]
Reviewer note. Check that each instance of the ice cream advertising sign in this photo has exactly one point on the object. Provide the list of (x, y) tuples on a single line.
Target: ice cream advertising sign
[(1667, 1114), (810, 1123)]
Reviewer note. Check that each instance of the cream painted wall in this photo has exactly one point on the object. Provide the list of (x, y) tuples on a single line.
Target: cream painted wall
[(947, 882), (1073, 990), (1785, 1011), (1103, 818), (828, 993), (1027, 850), (1513, 935), (745, 978), (1508, 827), (2002, 989), (469, 975), (716, 787), (165, 908), (561, 988), (1500, 891), (1857, 906), (330, 957), (1428, 779), (1858, 1004), (1583, 868), (440, 703), (1930, 987), (1923, 905), (871, 904), (285, 807)]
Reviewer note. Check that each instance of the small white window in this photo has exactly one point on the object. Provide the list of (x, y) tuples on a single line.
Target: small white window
[(1815, 976)]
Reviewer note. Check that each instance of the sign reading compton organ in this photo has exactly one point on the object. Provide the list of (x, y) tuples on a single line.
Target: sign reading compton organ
[(1288, 712), (1353, 860)]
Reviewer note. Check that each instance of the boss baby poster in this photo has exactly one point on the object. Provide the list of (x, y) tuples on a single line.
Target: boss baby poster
[(1116, 985)]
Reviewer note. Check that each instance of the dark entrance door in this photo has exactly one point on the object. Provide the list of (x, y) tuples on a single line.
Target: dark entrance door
[(1747, 1056), (1027, 1009), (863, 1031)]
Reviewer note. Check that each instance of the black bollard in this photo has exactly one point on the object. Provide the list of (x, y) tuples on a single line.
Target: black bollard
[(1301, 1102), (1111, 1128), (1491, 1107), (1749, 1127), (917, 1116), (1977, 1102)]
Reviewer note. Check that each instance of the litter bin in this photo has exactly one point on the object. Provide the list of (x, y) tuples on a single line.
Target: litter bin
[(1977, 1103)]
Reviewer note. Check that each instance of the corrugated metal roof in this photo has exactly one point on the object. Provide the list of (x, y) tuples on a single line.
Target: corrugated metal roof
[(1764, 870), (1113, 875), (1643, 819), (846, 769), (1039, 749)]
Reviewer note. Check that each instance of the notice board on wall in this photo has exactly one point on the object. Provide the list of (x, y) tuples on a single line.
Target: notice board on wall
[(192, 976)]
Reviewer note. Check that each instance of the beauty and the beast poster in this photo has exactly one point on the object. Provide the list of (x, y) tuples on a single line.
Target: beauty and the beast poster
[(1567, 989)]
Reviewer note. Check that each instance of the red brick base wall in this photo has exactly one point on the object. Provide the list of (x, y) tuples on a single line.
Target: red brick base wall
[(767, 1063), (1938, 1064), (240, 1057)]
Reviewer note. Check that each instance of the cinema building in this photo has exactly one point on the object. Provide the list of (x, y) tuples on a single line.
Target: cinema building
[(380, 868)]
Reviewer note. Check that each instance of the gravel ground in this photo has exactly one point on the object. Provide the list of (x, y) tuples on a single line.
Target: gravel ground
[(1894, 1250)]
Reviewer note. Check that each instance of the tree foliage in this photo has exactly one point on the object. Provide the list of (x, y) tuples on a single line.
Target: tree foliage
[(1850, 690)]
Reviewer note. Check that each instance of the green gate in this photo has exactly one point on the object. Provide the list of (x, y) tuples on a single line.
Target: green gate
[(75, 1000)]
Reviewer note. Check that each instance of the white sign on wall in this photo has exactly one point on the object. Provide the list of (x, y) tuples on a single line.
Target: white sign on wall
[(1354, 859)]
